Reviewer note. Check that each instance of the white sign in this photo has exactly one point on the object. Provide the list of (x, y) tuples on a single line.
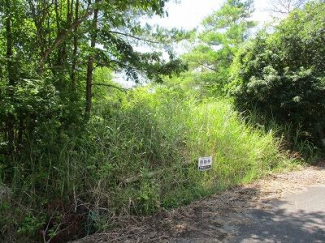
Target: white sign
[(205, 163)]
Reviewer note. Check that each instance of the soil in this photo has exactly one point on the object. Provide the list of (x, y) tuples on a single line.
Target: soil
[(217, 218)]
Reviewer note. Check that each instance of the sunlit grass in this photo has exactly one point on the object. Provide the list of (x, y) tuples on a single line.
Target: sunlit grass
[(142, 157)]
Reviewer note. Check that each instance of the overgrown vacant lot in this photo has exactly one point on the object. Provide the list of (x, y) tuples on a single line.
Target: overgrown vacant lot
[(84, 151), (143, 159)]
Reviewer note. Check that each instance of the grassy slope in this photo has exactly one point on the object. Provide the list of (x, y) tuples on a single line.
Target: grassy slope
[(160, 135), (139, 158)]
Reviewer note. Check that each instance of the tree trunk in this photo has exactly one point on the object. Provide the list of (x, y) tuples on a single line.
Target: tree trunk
[(75, 49), (58, 27), (20, 134), (91, 60), (62, 37), (11, 79)]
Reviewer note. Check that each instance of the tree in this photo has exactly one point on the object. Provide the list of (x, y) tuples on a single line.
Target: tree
[(224, 31), (91, 58), (75, 48), (59, 44), (281, 75), (10, 75)]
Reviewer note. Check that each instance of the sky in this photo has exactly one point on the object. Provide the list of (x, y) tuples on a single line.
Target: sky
[(189, 13)]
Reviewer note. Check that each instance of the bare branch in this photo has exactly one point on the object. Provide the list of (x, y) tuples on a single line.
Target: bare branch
[(207, 66), (112, 86), (134, 37), (284, 7)]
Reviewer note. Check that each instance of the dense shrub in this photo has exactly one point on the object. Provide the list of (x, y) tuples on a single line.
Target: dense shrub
[(281, 75)]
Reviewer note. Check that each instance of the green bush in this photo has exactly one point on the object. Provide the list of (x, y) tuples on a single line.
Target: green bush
[(281, 75)]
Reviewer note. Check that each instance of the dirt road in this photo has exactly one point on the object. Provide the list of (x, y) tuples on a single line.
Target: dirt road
[(287, 207)]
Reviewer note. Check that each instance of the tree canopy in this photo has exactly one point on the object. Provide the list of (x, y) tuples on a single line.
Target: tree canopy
[(223, 33), (282, 74), (50, 49)]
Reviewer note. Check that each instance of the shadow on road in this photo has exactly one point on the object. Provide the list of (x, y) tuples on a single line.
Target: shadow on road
[(284, 221), (296, 217)]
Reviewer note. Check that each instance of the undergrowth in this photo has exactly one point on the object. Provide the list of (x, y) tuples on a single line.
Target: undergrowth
[(134, 159)]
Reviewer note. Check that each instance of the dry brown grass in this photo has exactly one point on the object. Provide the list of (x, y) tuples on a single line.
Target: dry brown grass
[(213, 219)]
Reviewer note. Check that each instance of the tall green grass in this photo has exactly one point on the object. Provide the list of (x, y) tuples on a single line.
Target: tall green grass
[(295, 142), (138, 158)]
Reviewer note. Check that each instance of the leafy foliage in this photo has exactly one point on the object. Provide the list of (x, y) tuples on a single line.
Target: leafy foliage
[(138, 158), (48, 51), (56, 64), (282, 74), (223, 33), (78, 151)]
